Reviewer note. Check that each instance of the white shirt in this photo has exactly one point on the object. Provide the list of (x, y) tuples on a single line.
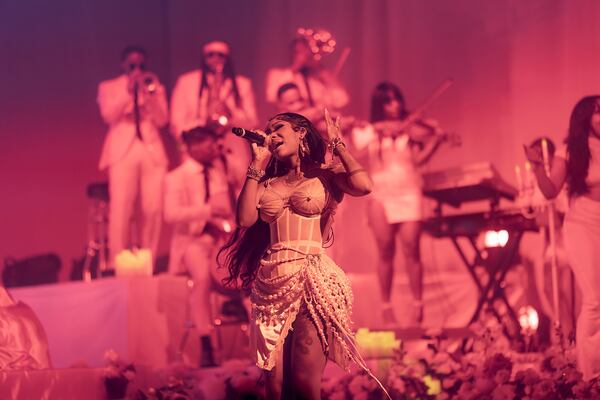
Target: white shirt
[(188, 109), (186, 206), (116, 107), (333, 96)]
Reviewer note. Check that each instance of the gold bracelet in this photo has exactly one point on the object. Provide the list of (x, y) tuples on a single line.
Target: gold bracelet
[(334, 144), (255, 173), (356, 171)]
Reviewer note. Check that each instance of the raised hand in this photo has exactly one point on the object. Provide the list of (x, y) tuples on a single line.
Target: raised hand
[(334, 128), (534, 154)]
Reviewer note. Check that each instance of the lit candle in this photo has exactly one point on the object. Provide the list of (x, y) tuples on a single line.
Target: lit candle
[(519, 178), (133, 263), (528, 176), (545, 156)]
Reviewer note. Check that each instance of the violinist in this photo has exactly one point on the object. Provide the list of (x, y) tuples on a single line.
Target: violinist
[(397, 144)]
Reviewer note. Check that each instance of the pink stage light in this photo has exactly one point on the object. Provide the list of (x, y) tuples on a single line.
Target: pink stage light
[(528, 319), (496, 238)]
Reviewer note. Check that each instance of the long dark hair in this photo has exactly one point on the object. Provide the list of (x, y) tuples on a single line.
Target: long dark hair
[(578, 150), (228, 72), (246, 246), (381, 95)]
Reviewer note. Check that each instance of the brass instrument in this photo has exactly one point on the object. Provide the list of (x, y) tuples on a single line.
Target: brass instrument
[(319, 41), (148, 83), (217, 113)]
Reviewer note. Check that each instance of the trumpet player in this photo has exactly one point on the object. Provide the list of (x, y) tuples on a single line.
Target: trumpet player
[(134, 106), (216, 97), (316, 84)]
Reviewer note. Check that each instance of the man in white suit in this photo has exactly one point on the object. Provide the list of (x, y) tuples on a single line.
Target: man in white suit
[(198, 201), (317, 85), (134, 105), (215, 96)]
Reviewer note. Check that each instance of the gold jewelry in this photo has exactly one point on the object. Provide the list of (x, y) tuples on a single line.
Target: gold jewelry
[(304, 150), (356, 171), (334, 144), (255, 173)]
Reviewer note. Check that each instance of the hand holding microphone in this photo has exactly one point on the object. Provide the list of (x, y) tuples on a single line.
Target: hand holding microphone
[(251, 136), (259, 142)]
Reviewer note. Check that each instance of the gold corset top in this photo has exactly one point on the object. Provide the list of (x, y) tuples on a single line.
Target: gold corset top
[(299, 212), (308, 198)]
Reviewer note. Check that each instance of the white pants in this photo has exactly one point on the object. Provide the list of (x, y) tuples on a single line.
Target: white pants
[(581, 231), (135, 174), (197, 259)]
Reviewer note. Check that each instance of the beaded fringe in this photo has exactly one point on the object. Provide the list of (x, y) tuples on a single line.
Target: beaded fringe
[(327, 294)]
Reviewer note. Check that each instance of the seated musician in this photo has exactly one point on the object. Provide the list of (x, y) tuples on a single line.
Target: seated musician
[(290, 99), (395, 205), (318, 86), (197, 201)]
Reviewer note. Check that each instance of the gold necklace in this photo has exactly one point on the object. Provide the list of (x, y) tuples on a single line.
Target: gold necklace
[(292, 178)]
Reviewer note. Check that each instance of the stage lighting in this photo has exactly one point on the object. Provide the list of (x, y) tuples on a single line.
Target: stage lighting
[(495, 238)]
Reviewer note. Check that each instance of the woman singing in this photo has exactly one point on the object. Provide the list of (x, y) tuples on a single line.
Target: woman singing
[(579, 167), (301, 300)]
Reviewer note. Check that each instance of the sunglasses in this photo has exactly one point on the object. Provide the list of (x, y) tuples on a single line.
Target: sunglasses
[(134, 66), (215, 54)]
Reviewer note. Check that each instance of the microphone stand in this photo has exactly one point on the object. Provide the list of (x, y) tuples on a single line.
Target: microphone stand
[(552, 238)]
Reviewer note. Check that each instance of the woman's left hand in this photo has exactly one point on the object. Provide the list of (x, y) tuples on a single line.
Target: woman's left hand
[(334, 129)]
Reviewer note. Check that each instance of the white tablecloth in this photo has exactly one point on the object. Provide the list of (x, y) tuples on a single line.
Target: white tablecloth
[(141, 318)]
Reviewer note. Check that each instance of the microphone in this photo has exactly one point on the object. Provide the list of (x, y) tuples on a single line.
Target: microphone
[(250, 136)]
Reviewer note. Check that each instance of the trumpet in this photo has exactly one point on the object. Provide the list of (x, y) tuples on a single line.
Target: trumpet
[(148, 82)]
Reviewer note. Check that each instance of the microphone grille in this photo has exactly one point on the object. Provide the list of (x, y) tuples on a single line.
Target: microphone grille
[(238, 131)]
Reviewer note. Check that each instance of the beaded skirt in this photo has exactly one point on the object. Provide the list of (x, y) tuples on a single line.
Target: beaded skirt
[(307, 280)]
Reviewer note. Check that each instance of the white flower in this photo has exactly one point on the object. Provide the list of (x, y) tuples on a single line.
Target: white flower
[(111, 356)]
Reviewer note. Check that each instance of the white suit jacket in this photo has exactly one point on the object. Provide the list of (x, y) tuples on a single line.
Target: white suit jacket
[(333, 96), (189, 110), (116, 108), (185, 204)]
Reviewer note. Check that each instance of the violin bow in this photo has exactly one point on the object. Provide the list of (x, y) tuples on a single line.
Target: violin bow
[(416, 113)]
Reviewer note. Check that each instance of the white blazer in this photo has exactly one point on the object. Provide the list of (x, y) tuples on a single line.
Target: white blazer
[(116, 108), (189, 110)]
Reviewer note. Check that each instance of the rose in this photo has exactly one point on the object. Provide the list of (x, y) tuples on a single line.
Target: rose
[(527, 377), (571, 375), (111, 356), (337, 396), (467, 391), (357, 384), (543, 390), (581, 390), (496, 363), (397, 384), (502, 376), (503, 392), (484, 385)]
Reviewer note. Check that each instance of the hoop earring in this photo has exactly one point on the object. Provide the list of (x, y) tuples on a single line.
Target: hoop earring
[(304, 150)]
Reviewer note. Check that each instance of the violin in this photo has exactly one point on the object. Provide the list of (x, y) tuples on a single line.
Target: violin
[(426, 130), (429, 131)]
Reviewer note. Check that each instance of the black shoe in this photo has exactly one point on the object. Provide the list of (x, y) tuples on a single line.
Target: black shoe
[(207, 359)]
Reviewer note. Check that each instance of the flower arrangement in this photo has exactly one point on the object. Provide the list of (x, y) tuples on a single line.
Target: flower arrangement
[(235, 379), (482, 367), (117, 375)]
